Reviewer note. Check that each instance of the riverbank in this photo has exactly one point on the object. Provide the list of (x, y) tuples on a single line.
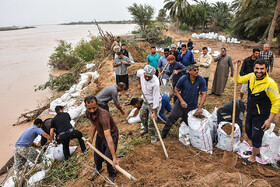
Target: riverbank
[(15, 28)]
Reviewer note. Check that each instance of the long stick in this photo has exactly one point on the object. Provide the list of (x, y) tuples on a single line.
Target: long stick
[(234, 107), (110, 161), (163, 71), (154, 121)]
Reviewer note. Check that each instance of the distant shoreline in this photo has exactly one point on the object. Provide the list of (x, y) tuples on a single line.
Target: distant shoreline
[(99, 22), (15, 28)]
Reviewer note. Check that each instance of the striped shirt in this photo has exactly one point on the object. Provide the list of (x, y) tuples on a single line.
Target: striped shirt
[(268, 57)]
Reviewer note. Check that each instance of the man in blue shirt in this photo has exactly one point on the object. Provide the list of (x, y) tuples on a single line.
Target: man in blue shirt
[(190, 86), (161, 64), (24, 149), (152, 59), (185, 56)]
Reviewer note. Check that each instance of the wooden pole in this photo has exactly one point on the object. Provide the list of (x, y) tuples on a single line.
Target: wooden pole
[(163, 71), (154, 121), (234, 106), (110, 161)]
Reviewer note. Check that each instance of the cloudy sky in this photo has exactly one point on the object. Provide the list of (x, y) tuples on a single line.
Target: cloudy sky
[(41, 12)]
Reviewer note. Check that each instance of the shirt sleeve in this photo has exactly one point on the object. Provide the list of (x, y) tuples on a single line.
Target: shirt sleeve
[(39, 131), (182, 68), (115, 98), (243, 79), (203, 87), (179, 56), (273, 95), (156, 96), (148, 58), (159, 63)]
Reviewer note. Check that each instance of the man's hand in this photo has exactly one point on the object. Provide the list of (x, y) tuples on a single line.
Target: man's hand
[(159, 74), (238, 61), (176, 72), (122, 112), (266, 125), (154, 115), (89, 140), (198, 111), (147, 63), (184, 104), (115, 162), (139, 86), (270, 71)]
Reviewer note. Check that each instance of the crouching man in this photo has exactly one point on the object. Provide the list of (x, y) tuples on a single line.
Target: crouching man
[(190, 86), (24, 149), (107, 136)]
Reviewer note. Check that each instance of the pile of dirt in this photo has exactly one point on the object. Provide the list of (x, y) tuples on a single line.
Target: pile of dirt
[(227, 128), (139, 51), (200, 116)]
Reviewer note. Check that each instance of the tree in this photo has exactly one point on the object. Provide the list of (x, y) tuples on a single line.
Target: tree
[(208, 10), (141, 14), (161, 15), (220, 15), (273, 23), (197, 16), (177, 9)]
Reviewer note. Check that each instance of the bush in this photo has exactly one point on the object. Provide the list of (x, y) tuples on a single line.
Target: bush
[(59, 83), (63, 57), (89, 50), (184, 27), (155, 36)]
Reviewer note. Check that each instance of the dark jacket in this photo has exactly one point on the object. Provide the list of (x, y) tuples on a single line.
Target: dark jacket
[(247, 66)]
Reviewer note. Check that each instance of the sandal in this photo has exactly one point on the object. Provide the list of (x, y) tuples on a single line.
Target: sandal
[(249, 153), (247, 162)]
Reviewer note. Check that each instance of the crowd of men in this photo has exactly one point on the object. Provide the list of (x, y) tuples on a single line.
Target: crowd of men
[(188, 80)]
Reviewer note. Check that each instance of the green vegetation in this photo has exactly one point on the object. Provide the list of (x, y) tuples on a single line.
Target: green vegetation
[(99, 22), (14, 28), (141, 14), (155, 36), (162, 15)]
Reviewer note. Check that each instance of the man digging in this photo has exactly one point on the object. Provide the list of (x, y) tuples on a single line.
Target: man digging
[(263, 105)]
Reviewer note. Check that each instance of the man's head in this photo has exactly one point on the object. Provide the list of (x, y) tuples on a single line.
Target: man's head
[(116, 49), (223, 51), (118, 39), (171, 59), (121, 86), (135, 102), (149, 72), (260, 68), (123, 46), (91, 104), (256, 52), (204, 50), (173, 47), (38, 122), (153, 49), (166, 52), (184, 47), (120, 55), (193, 69), (58, 109), (180, 41), (190, 40), (266, 47)]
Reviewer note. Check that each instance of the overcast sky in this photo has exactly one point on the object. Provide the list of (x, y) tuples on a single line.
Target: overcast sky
[(41, 12)]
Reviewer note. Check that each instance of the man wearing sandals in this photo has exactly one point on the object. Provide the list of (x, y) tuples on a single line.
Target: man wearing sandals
[(106, 138), (263, 105)]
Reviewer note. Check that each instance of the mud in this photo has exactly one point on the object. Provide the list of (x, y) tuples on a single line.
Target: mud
[(227, 128)]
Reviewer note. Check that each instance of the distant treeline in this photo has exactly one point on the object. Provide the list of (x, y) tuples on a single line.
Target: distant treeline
[(100, 22), (14, 28)]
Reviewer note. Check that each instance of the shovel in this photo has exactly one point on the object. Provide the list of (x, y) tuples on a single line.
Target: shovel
[(230, 158)]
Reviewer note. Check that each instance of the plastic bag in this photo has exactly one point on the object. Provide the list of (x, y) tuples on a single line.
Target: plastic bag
[(36, 178), (58, 152), (200, 135), (224, 140), (184, 134)]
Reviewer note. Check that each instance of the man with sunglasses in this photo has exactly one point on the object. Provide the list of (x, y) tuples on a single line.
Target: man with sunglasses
[(190, 86)]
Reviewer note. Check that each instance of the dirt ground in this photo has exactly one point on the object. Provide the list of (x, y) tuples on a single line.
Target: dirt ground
[(186, 166)]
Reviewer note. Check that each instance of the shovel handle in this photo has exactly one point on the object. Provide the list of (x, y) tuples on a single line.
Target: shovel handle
[(125, 173), (234, 107)]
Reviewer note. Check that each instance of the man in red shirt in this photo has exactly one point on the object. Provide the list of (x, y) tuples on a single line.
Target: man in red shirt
[(107, 136)]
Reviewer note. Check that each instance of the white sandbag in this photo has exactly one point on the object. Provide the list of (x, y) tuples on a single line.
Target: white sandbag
[(55, 103), (213, 124), (184, 134), (37, 140), (37, 177), (224, 140), (88, 66), (196, 51), (65, 97), (72, 122), (10, 182), (200, 135), (76, 94), (58, 152), (135, 119)]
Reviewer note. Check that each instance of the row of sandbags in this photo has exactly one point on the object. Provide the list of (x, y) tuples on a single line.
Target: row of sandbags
[(201, 133), (215, 36)]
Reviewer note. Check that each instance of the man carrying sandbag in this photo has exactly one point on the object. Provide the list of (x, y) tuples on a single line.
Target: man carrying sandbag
[(107, 136), (190, 86), (263, 104)]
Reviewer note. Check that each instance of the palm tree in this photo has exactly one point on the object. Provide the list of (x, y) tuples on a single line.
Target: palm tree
[(208, 10), (177, 9), (220, 15)]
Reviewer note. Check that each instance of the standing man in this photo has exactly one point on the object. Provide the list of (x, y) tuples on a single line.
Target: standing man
[(177, 69), (149, 84), (24, 149), (124, 51), (63, 128), (268, 56), (153, 58), (179, 45), (190, 45), (185, 56), (117, 42), (173, 50), (110, 93), (248, 67), (106, 138), (121, 63), (221, 73), (161, 64), (204, 62), (190, 86), (262, 106)]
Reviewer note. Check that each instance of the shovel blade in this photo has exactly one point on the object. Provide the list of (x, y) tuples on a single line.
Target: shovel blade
[(230, 159)]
